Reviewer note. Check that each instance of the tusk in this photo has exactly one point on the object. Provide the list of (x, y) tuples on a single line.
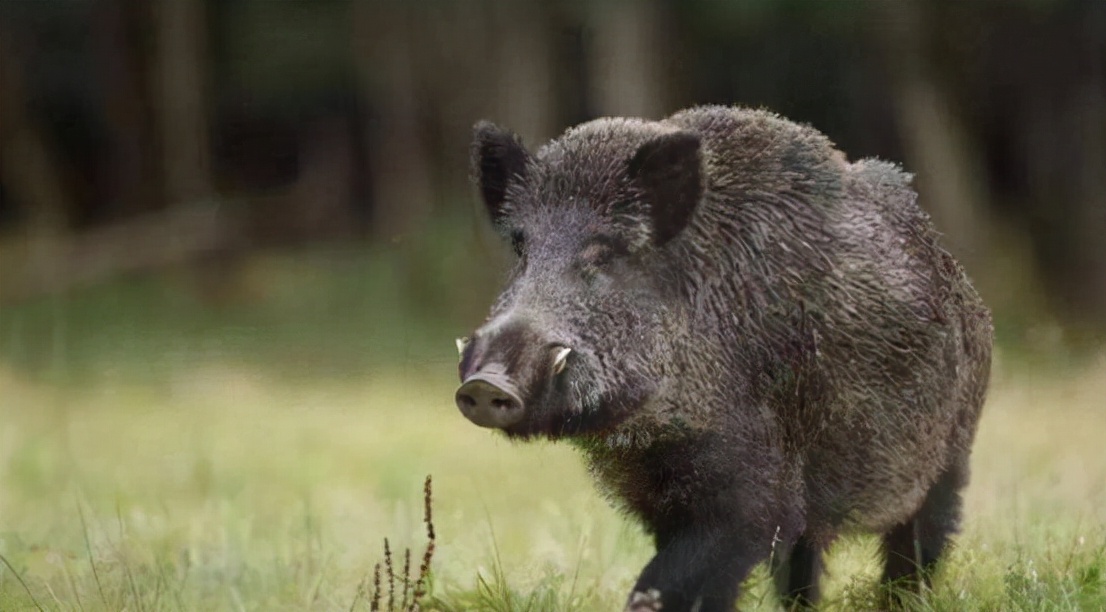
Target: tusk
[(561, 359), (461, 344)]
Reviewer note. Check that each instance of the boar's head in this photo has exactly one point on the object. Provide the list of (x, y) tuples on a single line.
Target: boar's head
[(581, 336)]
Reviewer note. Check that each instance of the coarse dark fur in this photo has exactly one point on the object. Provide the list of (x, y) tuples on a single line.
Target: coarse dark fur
[(769, 347)]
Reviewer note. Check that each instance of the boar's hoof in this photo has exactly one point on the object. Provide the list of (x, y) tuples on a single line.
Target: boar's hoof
[(649, 601), (489, 401)]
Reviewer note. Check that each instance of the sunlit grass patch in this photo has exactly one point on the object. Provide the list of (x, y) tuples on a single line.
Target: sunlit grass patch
[(233, 491)]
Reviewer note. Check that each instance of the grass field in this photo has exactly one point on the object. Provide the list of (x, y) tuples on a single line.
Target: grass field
[(255, 459)]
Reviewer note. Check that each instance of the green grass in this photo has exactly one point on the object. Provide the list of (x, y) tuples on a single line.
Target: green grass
[(160, 454)]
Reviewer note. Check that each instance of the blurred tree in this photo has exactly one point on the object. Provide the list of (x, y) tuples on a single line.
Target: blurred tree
[(124, 54), (32, 172), (630, 58), (181, 83), (388, 41)]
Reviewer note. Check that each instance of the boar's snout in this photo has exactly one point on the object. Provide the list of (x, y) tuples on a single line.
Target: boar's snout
[(509, 369), (490, 400)]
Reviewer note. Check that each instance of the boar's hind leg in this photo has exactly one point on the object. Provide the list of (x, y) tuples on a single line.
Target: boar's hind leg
[(694, 569), (914, 547), (797, 573)]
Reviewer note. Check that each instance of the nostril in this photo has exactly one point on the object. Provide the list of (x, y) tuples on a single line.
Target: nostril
[(503, 403), (466, 399)]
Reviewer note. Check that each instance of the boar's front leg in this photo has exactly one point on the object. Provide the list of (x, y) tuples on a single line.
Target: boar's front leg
[(697, 567)]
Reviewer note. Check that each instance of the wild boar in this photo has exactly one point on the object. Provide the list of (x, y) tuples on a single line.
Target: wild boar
[(757, 344)]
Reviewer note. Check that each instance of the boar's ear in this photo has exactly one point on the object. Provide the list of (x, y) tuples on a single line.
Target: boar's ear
[(668, 170), (498, 157)]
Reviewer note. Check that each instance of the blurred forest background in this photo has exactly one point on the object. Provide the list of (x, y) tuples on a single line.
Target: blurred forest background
[(188, 137)]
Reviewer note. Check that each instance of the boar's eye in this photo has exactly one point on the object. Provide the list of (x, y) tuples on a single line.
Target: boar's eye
[(595, 255), (518, 242), (593, 258), (601, 251)]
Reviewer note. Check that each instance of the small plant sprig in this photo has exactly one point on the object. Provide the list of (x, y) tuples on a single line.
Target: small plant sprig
[(411, 592)]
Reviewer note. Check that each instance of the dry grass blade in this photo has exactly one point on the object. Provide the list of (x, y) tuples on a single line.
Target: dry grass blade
[(21, 582), (412, 591), (374, 603), (406, 577), (428, 554), (88, 549), (391, 575)]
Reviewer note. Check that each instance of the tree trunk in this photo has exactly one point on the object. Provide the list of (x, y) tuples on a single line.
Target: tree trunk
[(1090, 209), (180, 84), (31, 169), (629, 59), (399, 165), (131, 177), (525, 93)]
